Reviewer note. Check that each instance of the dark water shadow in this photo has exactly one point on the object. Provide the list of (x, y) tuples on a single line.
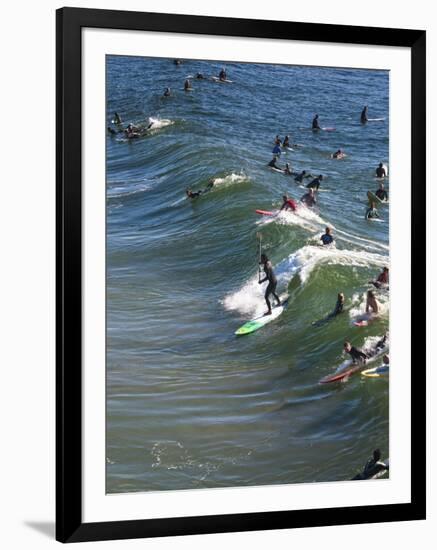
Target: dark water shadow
[(46, 528)]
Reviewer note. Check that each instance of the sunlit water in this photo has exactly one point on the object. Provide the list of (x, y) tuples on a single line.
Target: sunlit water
[(189, 404)]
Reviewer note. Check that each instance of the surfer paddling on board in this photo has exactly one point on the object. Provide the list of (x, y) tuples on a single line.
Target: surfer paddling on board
[(309, 199), (287, 170), (315, 124), (273, 164), (372, 305), (339, 154), (382, 279), (357, 355), (187, 85), (363, 117), (300, 177), (381, 171), (167, 92), (381, 193), (288, 204), (315, 184), (339, 306), (327, 237), (132, 131), (373, 466), (117, 118), (271, 278)]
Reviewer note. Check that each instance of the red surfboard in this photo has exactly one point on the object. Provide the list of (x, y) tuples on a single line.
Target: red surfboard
[(339, 376), (264, 212)]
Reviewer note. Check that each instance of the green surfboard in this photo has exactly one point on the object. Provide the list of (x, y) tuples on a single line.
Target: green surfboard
[(261, 320)]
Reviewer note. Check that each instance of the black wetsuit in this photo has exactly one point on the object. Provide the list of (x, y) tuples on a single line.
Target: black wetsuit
[(364, 116), (286, 143), (316, 125), (338, 308), (382, 194), (315, 184), (271, 287), (357, 355), (273, 164)]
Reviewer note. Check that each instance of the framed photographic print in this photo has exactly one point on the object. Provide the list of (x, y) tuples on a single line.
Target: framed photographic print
[(240, 222)]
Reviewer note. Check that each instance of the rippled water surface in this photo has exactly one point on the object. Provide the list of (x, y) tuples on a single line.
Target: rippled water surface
[(189, 404)]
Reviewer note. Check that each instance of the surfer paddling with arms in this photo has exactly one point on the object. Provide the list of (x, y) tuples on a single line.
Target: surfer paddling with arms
[(271, 278), (288, 204), (382, 279), (309, 198), (357, 355), (300, 177)]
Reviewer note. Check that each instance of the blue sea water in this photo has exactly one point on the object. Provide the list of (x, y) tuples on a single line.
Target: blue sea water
[(189, 404)]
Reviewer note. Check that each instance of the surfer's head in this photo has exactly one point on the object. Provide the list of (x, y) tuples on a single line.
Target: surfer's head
[(385, 269), (340, 297), (347, 346), (284, 198), (264, 259), (376, 455), (386, 359), (381, 165), (328, 231)]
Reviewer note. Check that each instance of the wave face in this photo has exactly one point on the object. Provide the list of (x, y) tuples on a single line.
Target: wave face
[(189, 405)]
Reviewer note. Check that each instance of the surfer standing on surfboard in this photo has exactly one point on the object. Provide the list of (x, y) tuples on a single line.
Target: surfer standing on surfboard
[(363, 117), (271, 278)]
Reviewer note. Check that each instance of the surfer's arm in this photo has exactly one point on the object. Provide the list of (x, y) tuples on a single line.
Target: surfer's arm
[(263, 280)]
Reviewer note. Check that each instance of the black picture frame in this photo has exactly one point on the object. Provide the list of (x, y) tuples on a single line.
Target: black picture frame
[(69, 525)]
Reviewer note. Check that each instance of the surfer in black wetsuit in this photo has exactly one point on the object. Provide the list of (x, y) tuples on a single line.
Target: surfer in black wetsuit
[(273, 164), (300, 177), (381, 193), (363, 117), (315, 184), (339, 306), (117, 118), (187, 85), (271, 278), (373, 466), (200, 76), (357, 355), (111, 131), (222, 74), (380, 171), (193, 194), (286, 142), (316, 125), (287, 170), (167, 92)]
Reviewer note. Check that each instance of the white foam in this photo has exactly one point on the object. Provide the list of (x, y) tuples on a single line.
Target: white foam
[(230, 179), (158, 123)]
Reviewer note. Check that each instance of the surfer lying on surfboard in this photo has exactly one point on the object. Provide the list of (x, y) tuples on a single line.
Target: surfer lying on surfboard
[(288, 204), (273, 282), (339, 154), (358, 356), (339, 306)]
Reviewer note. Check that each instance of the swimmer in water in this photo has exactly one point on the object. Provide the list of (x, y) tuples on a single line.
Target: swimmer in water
[(363, 117), (177, 61), (200, 76), (372, 305), (111, 131), (382, 280), (187, 85), (300, 177), (327, 238), (288, 204), (309, 198), (271, 287), (167, 92), (287, 169), (381, 193), (380, 171), (117, 119), (315, 184), (338, 154), (286, 142), (315, 124), (371, 212)]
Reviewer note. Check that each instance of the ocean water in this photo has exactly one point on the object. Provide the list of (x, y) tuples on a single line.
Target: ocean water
[(189, 404)]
